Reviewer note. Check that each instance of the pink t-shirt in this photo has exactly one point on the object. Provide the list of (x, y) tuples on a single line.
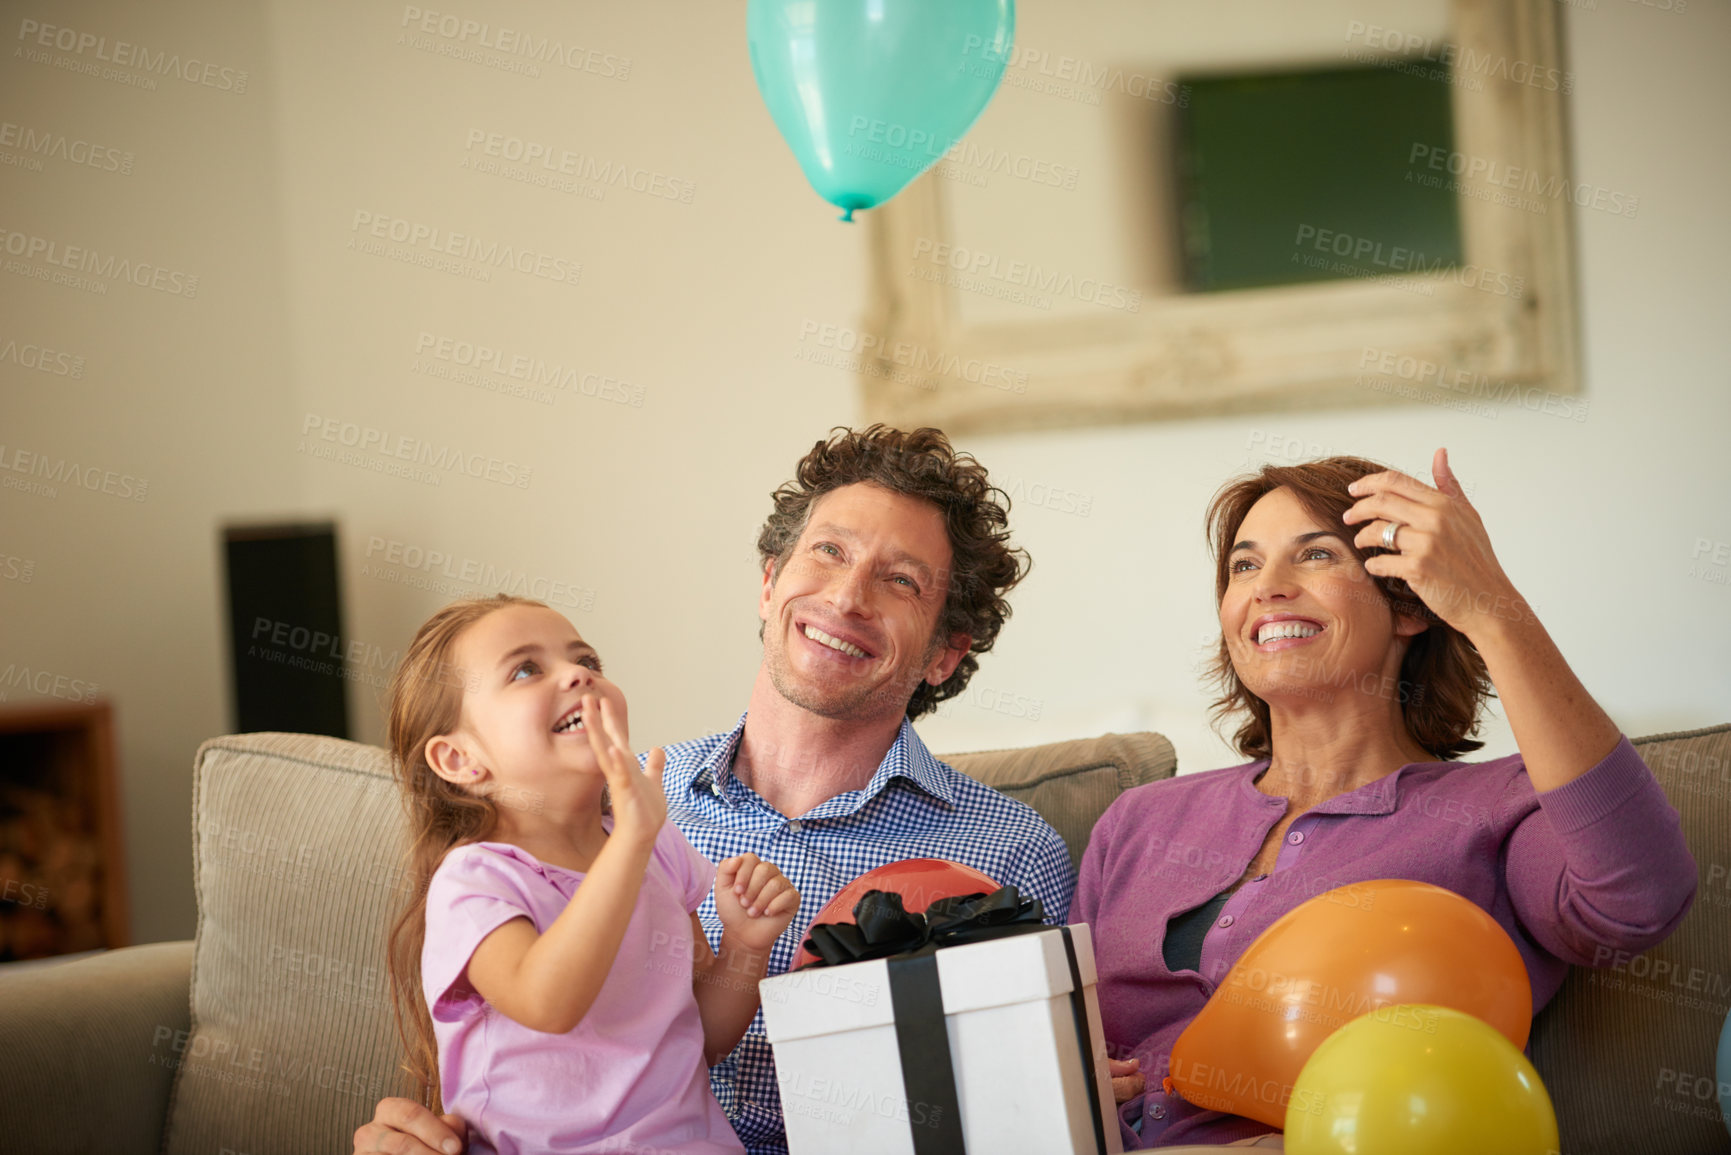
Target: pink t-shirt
[(631, 1075)]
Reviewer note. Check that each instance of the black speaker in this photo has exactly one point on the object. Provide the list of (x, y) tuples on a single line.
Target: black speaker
[(285, 629)]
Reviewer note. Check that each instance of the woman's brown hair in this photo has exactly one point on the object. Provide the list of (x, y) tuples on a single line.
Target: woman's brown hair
[(1443, 679), (426, 700)]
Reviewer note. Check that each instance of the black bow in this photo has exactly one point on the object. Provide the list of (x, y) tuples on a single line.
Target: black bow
[(882, 928)]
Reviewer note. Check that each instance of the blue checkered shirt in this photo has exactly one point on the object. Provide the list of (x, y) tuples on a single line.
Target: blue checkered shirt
[(913, 807)]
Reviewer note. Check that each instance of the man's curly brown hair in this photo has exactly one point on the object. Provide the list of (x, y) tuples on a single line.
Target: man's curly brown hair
[(984, 566)]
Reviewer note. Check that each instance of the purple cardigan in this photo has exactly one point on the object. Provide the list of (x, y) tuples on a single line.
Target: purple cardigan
[(1574, 875)]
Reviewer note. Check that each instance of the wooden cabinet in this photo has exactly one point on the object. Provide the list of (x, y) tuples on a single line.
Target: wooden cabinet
[(62, 863)]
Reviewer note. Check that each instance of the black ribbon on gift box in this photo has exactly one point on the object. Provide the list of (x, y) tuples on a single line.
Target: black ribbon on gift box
[(909, 942)]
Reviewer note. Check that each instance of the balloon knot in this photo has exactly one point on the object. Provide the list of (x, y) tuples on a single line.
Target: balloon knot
[(846, 215)]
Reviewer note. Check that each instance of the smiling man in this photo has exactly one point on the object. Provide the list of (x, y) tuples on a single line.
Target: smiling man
[(885, 568)]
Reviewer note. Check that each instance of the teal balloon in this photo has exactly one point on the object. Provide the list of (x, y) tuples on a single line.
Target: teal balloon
[(871, 93), (1724, 1072)]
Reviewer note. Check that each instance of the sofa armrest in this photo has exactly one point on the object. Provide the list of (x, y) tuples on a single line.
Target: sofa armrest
[(88, 1049)]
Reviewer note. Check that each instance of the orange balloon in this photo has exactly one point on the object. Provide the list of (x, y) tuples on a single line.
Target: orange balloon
[(1342, 954), (920, 882)]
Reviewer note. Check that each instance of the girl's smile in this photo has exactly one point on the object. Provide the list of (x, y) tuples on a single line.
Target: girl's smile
[(571, 722)]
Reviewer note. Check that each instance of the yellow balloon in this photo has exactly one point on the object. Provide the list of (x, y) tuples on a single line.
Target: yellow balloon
[(1414, 1079)]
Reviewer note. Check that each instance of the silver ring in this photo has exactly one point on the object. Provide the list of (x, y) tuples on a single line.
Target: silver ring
[(1388, 532)]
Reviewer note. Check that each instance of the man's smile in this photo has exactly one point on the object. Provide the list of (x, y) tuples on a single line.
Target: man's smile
[(830, 641)]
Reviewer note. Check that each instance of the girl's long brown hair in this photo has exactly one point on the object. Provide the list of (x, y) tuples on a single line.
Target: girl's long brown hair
[(426, 700)]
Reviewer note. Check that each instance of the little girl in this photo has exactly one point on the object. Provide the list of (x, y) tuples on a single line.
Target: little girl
[(575, 1003)]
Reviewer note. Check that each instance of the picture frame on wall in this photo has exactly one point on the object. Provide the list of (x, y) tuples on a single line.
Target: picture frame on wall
[(1490, 322)]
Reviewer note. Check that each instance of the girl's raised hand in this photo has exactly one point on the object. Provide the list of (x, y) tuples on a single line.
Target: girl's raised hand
[(639, 806), (754, 900)]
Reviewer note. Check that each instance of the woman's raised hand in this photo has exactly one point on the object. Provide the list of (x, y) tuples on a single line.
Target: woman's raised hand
[(1441, 548), (639, 806)]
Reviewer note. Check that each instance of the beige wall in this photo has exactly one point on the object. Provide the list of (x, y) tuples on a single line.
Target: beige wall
[(689, 393), (163, 394)]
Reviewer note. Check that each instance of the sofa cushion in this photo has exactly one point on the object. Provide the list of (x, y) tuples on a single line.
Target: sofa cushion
[(1072, 783), (297, 864), (1627, 1050)]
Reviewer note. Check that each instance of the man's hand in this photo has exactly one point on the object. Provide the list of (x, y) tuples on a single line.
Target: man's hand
[(404, 1127), (1127, 1079), (754, 901)]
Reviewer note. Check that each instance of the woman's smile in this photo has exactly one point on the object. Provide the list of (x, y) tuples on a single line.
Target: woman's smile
[(1273, 632)]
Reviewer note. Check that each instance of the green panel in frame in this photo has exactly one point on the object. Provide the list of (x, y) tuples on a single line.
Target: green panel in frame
[(1315, 175)]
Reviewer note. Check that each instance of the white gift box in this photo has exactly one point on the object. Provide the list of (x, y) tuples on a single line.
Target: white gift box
[(1022, 1080)]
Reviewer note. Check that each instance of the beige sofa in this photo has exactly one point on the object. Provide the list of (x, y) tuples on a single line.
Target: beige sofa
[(286, 1040)]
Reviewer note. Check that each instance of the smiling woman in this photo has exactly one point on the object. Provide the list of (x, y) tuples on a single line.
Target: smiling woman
[(1359, 671), (1441, 682)]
